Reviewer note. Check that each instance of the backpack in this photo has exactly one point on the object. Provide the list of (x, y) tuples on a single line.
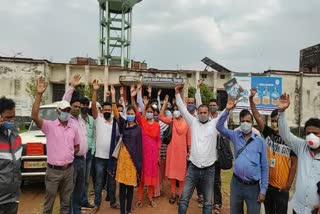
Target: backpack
[(167, 134), (225, 155)]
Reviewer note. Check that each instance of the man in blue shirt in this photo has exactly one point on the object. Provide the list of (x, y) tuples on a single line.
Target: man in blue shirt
[(250, 173)]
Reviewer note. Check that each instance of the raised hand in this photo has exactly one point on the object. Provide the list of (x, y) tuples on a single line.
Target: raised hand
[(96, 85), (284, 102), (200, 83), (178, 88), (121, 91), (108, 93), (139, 85), (121, 101), (145, 100), (76, 80), (253, 92), (159, 92), (41, 85), (133, 91), (166, 99), (231, 103), (113, 90), (149, 89)]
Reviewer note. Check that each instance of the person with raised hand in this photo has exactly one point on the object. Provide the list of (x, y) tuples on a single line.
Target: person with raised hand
[(306, 198), (282, 162), (203, 155), (79, 161), (151, 144), (129, 162), (177, 150), (62, 142), (105, 136), (249, 182)]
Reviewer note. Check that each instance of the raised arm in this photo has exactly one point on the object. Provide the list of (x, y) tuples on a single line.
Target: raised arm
[(121, 101), (96, 86), (182, 108), (222, 119), (198, 94), (114, 104), (255, 111), (158, 99), (74, 83), (139, 96), (290, 139), (162, 116), (41, 86)]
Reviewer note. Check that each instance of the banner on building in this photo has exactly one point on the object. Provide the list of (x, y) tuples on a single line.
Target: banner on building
[(268, 93)]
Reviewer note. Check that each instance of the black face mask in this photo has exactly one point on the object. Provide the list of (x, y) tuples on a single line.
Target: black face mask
[(84, 110), (107, 115)]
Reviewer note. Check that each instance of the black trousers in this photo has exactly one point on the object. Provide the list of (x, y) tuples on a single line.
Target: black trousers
[(217, 197), (125, 194), (9, 208), (276, 201)]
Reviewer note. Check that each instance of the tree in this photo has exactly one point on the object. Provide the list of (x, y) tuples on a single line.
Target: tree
[(206, 93)]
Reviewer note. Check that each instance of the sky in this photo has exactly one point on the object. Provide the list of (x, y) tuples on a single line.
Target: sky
[(241, 35)]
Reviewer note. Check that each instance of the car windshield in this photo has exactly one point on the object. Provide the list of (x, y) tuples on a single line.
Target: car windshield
[(47, 114)]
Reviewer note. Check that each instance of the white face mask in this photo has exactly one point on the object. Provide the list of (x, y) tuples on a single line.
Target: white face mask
[(313, 141), (246, 127), (176, 114)]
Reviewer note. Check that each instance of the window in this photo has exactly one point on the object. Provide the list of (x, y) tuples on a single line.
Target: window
[(222, 76), (189, 75), (204, 76)]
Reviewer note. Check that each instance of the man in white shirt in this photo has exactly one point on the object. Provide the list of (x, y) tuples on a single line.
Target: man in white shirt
[(104, 127), (306, 198), (203, 155)]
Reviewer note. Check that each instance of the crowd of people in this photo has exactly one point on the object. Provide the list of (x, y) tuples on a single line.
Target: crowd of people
[(142, 143)]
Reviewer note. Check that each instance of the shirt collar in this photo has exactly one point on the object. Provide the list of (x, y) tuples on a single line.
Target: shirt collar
[(57, 123), (253, 135)]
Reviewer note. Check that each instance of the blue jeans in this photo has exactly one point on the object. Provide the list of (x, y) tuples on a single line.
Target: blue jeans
[(202, 178), (78, 179), (87, 171), (242, 192), (102, 177)]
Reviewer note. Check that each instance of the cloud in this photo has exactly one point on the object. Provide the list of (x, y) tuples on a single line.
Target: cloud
[(243, 35)]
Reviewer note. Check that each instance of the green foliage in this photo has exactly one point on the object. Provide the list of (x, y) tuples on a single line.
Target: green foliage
[(86, 91), (206, 93)]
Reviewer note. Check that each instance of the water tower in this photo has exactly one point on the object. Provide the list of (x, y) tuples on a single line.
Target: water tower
[(115, 24)]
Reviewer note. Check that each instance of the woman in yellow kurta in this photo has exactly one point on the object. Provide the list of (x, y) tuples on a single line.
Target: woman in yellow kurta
[(130, 156)]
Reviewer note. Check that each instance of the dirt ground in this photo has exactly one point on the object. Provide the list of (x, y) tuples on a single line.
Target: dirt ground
[(32, 196)]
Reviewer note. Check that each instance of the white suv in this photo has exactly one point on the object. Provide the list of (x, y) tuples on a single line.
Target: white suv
[(34, 154)]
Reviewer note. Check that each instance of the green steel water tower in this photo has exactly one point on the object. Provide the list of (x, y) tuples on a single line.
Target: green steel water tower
[(115, 24)]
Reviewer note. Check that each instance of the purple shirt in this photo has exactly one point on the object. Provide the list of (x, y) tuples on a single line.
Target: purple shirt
[(79, 123), (60, 142)]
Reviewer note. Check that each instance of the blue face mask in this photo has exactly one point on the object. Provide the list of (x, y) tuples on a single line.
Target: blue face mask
[(8, 125), (64, 116), (149, 115), (131, 118)]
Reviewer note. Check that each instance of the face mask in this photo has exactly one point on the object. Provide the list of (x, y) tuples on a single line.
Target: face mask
[(168, 113), (75, 112), (213, 109), (203, 118), (149, 115), (107, 115), (131, 118), (313, 141), (121, 114), (156, 118), (64, 116), (176, 114), (246, 127), (84, 110), (191, 107), (8, 125), (274, 125)]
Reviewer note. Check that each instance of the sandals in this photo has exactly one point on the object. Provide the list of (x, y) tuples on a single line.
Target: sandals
[(216, 209), (139, 204), (172, 200), (152, 203)]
